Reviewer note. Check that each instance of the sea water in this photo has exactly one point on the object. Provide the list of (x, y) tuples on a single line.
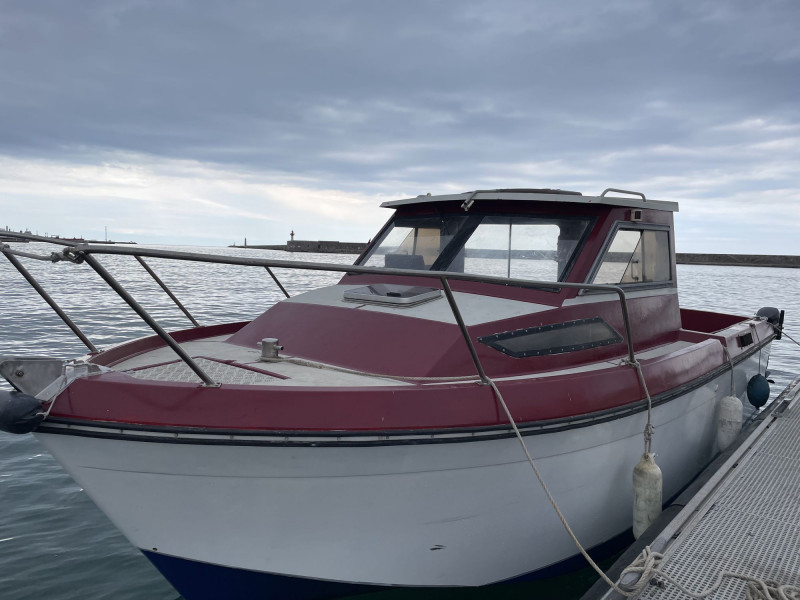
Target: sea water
[(54, 542)]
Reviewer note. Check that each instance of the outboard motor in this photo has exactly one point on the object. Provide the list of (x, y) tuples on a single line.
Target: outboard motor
[(774, 317), (20, 410), (19, 413)]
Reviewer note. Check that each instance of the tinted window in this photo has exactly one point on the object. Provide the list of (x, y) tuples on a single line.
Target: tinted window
[(558, 338)]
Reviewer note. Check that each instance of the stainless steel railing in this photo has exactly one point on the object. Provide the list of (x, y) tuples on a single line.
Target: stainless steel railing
[(79, 253)]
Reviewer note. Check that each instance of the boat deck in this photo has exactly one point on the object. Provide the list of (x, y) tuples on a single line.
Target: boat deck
[(743, 520), (232, 364)]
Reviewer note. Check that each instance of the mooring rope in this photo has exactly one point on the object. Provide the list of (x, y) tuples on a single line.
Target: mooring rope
[(648, 429), (648, 564), (783, 332), (730, 362), (501, 401), (552, 500)]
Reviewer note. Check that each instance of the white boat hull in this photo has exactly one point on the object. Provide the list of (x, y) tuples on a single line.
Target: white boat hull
[(423, 514)]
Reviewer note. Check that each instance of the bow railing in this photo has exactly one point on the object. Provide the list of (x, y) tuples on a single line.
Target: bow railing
[(80, 253)]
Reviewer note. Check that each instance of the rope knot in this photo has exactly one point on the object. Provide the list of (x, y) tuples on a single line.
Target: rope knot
[(646, 569), (633, 363)]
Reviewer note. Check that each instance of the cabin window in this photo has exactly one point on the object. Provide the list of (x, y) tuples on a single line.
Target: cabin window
[(506, 247), (557, 338), (519, 246), (414, 243), (636, 256)]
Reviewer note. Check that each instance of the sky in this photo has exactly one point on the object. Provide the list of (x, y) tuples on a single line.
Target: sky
[(199, 122)]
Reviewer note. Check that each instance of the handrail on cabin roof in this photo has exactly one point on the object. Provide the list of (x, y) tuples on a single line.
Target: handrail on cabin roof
[(553, 196)]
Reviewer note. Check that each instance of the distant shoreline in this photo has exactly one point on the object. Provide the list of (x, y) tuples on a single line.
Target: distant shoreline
[(682, 258)]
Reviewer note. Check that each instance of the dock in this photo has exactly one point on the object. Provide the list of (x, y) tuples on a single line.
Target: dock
[(742, 515)]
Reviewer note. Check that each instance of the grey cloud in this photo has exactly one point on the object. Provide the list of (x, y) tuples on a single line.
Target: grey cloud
[(392, 95)]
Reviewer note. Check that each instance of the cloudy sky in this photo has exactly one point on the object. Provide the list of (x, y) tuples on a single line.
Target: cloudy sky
[(198, 122)]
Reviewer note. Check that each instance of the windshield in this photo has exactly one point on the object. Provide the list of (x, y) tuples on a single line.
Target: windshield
[(524, 247)]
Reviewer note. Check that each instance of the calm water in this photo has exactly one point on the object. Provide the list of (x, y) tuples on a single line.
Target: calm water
[(54, 543)]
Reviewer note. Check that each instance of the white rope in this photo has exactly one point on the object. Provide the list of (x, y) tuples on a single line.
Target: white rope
[(561, 517), (760, 347), (730, 362), (648, 429), (783, 332), (648, 564), (71, 372)]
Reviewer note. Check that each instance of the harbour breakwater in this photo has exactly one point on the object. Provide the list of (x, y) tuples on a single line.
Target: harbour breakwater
[(739, 260), (320, 246)]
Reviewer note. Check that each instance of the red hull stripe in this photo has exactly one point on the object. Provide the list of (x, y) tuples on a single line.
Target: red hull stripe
[(117, 397)]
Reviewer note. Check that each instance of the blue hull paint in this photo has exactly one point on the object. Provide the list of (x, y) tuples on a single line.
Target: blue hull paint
[(204, 581)]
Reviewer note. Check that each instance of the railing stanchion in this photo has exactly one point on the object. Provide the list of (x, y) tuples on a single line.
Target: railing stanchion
[(162, 333), (275, 279), (462, 326), (166, 289), (35, 285)]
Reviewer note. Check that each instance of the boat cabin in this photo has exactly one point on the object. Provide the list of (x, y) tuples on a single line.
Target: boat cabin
[(514, 237), (532, 234)]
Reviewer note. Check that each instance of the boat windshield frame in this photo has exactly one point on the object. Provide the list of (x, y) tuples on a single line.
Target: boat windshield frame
[(451, 232)]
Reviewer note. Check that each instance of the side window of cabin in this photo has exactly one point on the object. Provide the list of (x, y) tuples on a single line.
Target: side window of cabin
[(636, 256)]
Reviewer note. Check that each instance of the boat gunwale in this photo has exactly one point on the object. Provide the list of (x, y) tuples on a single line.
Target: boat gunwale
[(67, 426)]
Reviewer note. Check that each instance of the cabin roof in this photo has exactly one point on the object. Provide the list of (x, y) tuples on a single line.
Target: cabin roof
[(529, 195)]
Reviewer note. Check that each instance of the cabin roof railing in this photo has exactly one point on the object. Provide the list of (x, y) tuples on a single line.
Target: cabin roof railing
[(556, 196)]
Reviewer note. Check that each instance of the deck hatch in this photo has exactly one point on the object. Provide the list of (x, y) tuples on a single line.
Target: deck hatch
[(557, 338), (393, 295)]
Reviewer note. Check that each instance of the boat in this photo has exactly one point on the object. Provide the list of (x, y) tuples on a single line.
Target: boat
[(366, 435)]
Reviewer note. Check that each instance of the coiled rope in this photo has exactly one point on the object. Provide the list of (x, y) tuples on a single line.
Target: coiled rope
[(647, 565)]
